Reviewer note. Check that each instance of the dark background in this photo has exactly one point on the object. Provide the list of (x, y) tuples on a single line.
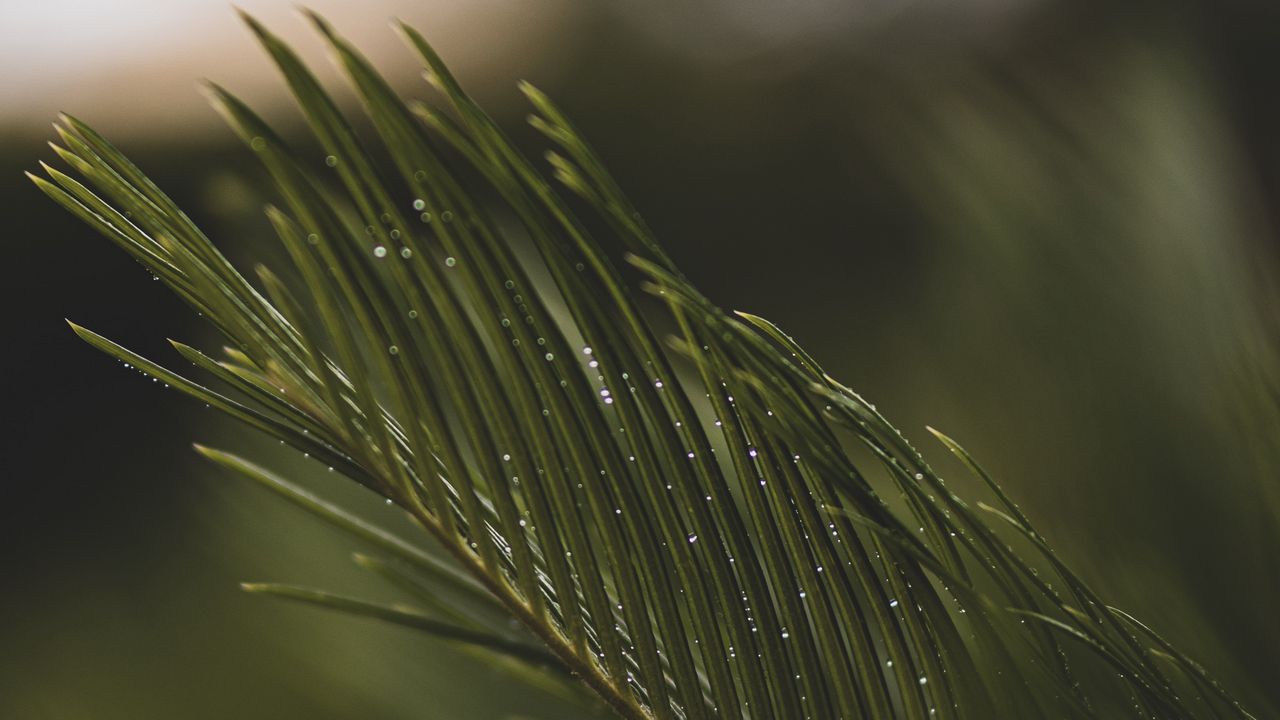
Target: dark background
[(1048, 229)]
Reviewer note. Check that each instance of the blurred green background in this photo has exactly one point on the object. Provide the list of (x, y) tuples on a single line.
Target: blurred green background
[(1047, 228)]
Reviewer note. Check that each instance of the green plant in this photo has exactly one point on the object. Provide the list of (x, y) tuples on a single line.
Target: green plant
[(707, 528)]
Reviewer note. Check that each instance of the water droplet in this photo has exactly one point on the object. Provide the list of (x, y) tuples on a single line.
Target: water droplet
[(924, 680), (258, 143), (693, 538), (450, 261), (330, 160), (379, 251), (549, 357), (406, 253), (418, 204), (393, 350), (586, 350), (893, 603)]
